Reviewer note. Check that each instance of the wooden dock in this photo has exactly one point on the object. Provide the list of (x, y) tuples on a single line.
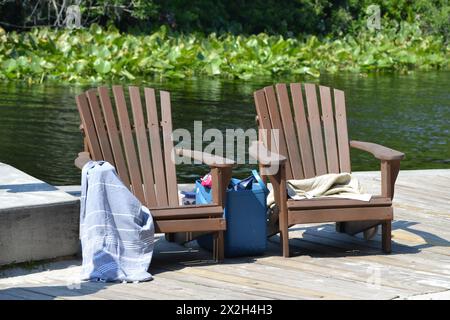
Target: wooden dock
[(325, 264)]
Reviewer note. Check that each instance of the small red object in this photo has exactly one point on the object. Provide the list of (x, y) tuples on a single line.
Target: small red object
[(207, 180)]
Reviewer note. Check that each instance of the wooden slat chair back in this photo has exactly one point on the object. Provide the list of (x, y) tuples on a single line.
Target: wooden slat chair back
[(313, 140), (143, 160), (312, 127), (141, 149)]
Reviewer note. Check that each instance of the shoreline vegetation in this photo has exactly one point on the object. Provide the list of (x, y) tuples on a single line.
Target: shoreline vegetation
[(96, 54)]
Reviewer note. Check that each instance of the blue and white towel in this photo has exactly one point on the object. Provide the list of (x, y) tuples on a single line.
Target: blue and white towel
[(116, 230)]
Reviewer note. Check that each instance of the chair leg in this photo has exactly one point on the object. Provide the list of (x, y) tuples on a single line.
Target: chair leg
[(284, 231), (340, 227), (284, 237), (386, 236), (170, 237), (219, 247)]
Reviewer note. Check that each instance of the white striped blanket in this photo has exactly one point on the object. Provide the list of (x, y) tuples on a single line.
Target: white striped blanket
[(116, 230)]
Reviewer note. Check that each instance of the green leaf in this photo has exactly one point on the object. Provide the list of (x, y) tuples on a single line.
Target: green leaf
[(9, 65), (128, 75), (102, 66)]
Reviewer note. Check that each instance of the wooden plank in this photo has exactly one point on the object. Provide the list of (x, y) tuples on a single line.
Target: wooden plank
[(302, 130), (339, 214), (389, 172), (190, 211), (128, 143), (89, 127), (205, 288), (406, 257), (264, 126), (264, 120), (188, 225), (100, 126), (23, 294), (316, 129), (62, 291), (156, 149), (142, 143), (130, 291), (390, 277), (169, 155), (180, 286), (275, 119), (113, 134), (323, 203), (324, 263), (333, 288), (289, 131), (253, 280), (330, 133), (6, 297), (342, 132)]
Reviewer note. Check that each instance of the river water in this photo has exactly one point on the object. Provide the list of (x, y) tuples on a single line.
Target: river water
[(411, 113)]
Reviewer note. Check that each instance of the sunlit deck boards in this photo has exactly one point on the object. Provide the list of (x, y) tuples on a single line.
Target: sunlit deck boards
[(325, 265)]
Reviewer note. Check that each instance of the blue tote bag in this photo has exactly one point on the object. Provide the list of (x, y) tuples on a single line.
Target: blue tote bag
[(245, 213)]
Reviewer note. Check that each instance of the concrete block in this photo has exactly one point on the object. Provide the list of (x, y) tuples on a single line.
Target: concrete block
[(37, 221)]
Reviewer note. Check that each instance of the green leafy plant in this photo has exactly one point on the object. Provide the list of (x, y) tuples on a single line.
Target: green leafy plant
[(96, 54)]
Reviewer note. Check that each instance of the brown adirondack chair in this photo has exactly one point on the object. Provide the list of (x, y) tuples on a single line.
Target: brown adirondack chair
[(314, 142), (148, 169)]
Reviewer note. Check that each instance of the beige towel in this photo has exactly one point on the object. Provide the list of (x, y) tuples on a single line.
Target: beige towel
[(339, 185)]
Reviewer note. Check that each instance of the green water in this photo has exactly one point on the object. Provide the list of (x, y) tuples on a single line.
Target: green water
[(411, 113)]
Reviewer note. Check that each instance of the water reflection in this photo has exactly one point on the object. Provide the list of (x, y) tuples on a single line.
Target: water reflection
[(39, 124)]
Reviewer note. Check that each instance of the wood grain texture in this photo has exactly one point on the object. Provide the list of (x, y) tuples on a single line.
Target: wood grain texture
[(339, 214), (329, 130), (302, 130), (99, 125), (316, 129), (113, 135), (169, 155), (264, 124), (295, 161), (89, 127), (275, 120), (155, 140), (128, 143), (324, 264), (342, 132), (143, 147)]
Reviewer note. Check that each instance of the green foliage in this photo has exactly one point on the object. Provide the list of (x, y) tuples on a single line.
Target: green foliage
[(283, 17), (95, 54)]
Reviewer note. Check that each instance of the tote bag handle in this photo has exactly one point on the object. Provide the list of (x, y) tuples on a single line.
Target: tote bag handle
[(260, 181)]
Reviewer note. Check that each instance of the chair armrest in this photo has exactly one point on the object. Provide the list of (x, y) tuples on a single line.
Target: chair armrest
[(378, 151), (265, 157), (82, 159), (206, 158)]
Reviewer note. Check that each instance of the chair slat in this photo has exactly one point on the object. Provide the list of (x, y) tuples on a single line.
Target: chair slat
[(289, 131), (169, 157), (100, 126), (330, 132), (275, 119), (89, 127), (155, 141), (342, 133), (302, 130), (142, 144), (128, 143), (316, 129), (113, 134), (263, 119)]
